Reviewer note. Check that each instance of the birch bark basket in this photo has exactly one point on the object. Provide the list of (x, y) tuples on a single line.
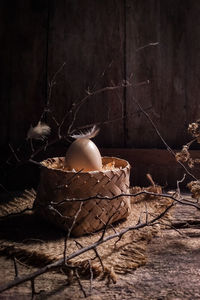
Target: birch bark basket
[(87, 216)]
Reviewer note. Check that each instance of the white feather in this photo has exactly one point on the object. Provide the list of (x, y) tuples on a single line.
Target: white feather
[(89, 134), (39, 132)]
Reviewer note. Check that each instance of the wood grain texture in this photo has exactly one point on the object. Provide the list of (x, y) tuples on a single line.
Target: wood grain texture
[(23, 54), (171, 272), (171, 98), (89, 37), (159, 163), (101, 42)]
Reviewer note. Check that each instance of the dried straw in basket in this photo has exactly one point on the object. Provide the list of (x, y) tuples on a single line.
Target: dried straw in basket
[(57, 184), (36, 242)]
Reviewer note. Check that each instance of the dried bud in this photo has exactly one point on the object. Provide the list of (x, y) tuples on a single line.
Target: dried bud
[(194, 130), (194, 187), (191, 163), (184, 155)]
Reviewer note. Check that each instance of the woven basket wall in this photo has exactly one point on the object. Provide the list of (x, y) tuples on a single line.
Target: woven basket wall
[(57, 184)]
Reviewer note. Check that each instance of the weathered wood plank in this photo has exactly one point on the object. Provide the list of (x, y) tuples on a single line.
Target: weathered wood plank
[(23, 26), (171, 98), (159, 163), (89, 37), (23, 57)]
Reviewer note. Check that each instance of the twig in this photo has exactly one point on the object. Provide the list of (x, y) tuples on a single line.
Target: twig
[(13, 152), (70, 230), (144, 192), (80, 284), (51, 84), (178, 184), (106, 224), (78, 244), (146, 213), (21, 263), (91, 275), (31, 143), (33, 288), (99, 258), (59, 263), (79, 104), (149, 177), (162, 139), (15, 267)]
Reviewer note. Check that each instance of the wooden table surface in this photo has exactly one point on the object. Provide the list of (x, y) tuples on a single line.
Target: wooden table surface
[(172, 271)]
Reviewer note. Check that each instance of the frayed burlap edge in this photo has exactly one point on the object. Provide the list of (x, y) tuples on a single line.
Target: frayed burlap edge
[(118, 256)]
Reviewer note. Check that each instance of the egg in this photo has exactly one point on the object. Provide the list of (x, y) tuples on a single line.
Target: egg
[(84, 155)]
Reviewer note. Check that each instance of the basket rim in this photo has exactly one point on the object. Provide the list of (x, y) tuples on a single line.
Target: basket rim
[(53, 159)]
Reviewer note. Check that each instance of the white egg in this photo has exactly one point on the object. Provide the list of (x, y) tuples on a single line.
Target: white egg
[(84, 155)]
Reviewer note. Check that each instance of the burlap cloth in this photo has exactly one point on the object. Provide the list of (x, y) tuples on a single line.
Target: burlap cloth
[(36, 242)]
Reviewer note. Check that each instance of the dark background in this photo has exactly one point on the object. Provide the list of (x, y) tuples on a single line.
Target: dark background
[(102, 43)]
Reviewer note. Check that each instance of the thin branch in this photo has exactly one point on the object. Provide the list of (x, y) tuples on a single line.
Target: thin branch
[(14, 153), (15, 267), (146, 213), (99, 258), (178, 184), (31, 143), (70, 230), (108, 222), (78, 244), (144, 192), (80, 284), (91, 275), (79, 104), (51, 85), (33, 288), (162, 139), (60, 262)]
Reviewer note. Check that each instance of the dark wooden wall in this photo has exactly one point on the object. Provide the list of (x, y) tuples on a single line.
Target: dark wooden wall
[(93, 37), (102, 43)]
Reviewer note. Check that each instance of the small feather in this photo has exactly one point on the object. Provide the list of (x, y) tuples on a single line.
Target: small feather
[(89, 134), (39, 132)]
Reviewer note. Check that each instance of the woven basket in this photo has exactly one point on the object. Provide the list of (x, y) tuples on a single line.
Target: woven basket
[(57, 184)]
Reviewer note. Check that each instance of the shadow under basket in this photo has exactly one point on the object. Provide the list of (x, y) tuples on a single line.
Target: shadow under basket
[(87, 216)]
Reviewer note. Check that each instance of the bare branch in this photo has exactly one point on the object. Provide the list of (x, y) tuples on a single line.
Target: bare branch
[(91, 275), (143, 192), (15, 267), (99, 258), (14, 153), (78, 244), (79, 104), (80, 284), (60, 262), (162, 139), (178, 184), (70, 230), (33, 288)]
